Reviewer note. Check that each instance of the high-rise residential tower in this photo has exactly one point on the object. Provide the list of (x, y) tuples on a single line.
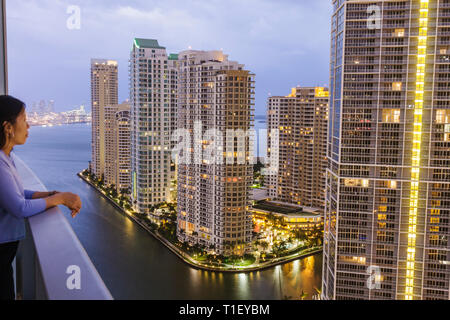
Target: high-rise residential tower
[(104, 92), (302, 119), (388, 183), (152, 91), (216, 99), (117, 147)]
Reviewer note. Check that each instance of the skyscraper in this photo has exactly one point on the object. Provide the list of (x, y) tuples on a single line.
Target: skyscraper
[(104, 92), (301, 119), (388, 182), (153, 87), (123, 138), (51, 106), (215, 95), (117, 146)]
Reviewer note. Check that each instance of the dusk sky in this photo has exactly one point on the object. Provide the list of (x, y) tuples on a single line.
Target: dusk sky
[(284, 42)]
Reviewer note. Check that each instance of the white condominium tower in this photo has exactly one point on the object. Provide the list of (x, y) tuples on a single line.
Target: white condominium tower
[(388, 182), (118, 148), (104, 92), (301, 119), (152, 91), (213, 196)]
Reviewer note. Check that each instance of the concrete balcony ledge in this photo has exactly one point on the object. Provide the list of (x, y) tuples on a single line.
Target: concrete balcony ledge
[(51, 259)]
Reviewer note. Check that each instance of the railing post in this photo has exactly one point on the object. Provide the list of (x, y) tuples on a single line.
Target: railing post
[(3, 55)]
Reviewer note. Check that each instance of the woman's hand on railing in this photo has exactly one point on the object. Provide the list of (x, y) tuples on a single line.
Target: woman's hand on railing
[(73, 202), (70, 200)]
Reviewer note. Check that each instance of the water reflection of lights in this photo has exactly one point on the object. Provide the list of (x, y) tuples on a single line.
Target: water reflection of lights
[(292, 273), (242, 276), (195, 276), (308, 266), (129, 226), (298, 277), (244, 285), (289, 280)]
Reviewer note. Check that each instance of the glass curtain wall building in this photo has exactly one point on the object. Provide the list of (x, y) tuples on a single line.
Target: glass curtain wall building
[(388, 181)]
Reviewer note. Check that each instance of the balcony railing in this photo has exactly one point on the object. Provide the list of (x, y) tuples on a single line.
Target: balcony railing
[(51, 263)]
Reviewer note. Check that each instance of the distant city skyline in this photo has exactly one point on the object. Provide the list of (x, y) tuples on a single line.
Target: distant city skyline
[(286, 43)]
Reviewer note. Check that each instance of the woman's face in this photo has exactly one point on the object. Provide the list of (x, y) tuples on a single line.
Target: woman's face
[(20, 129)]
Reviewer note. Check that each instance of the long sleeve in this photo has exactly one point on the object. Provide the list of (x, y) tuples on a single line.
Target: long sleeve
[(11, 198), (29, 194)]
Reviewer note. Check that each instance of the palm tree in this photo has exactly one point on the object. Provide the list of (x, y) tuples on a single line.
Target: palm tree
[(282, 245), (318, 291), (113, 191), (256, 245), (271, 218), (235, 245), (317, 235), (125, 191), (264, 245), (303, 295), (301, 235)]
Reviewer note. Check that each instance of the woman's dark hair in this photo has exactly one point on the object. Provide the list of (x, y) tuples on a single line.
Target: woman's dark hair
[(10, 109)]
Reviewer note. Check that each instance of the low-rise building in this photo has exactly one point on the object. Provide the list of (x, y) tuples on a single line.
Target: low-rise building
[(292, 216)]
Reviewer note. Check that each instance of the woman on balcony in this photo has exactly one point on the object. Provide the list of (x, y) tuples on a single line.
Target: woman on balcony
[(16, 204)]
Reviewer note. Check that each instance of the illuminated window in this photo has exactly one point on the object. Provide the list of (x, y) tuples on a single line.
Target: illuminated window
[(356, 182), (443, 51), (191, 227), (434, 229), (382, 208), (396, 86), (443, 116), (435, 203), (391, 115), (392, 184), (434, 220), (435, 212), (447, 132), (350, 182), (399, 33)]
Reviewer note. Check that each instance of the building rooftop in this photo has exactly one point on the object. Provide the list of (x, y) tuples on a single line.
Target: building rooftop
[(104, 62), (147, 43), (284, 208), (259, 194)]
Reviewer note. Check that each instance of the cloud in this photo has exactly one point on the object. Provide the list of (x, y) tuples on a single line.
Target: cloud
[(284, 42)]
